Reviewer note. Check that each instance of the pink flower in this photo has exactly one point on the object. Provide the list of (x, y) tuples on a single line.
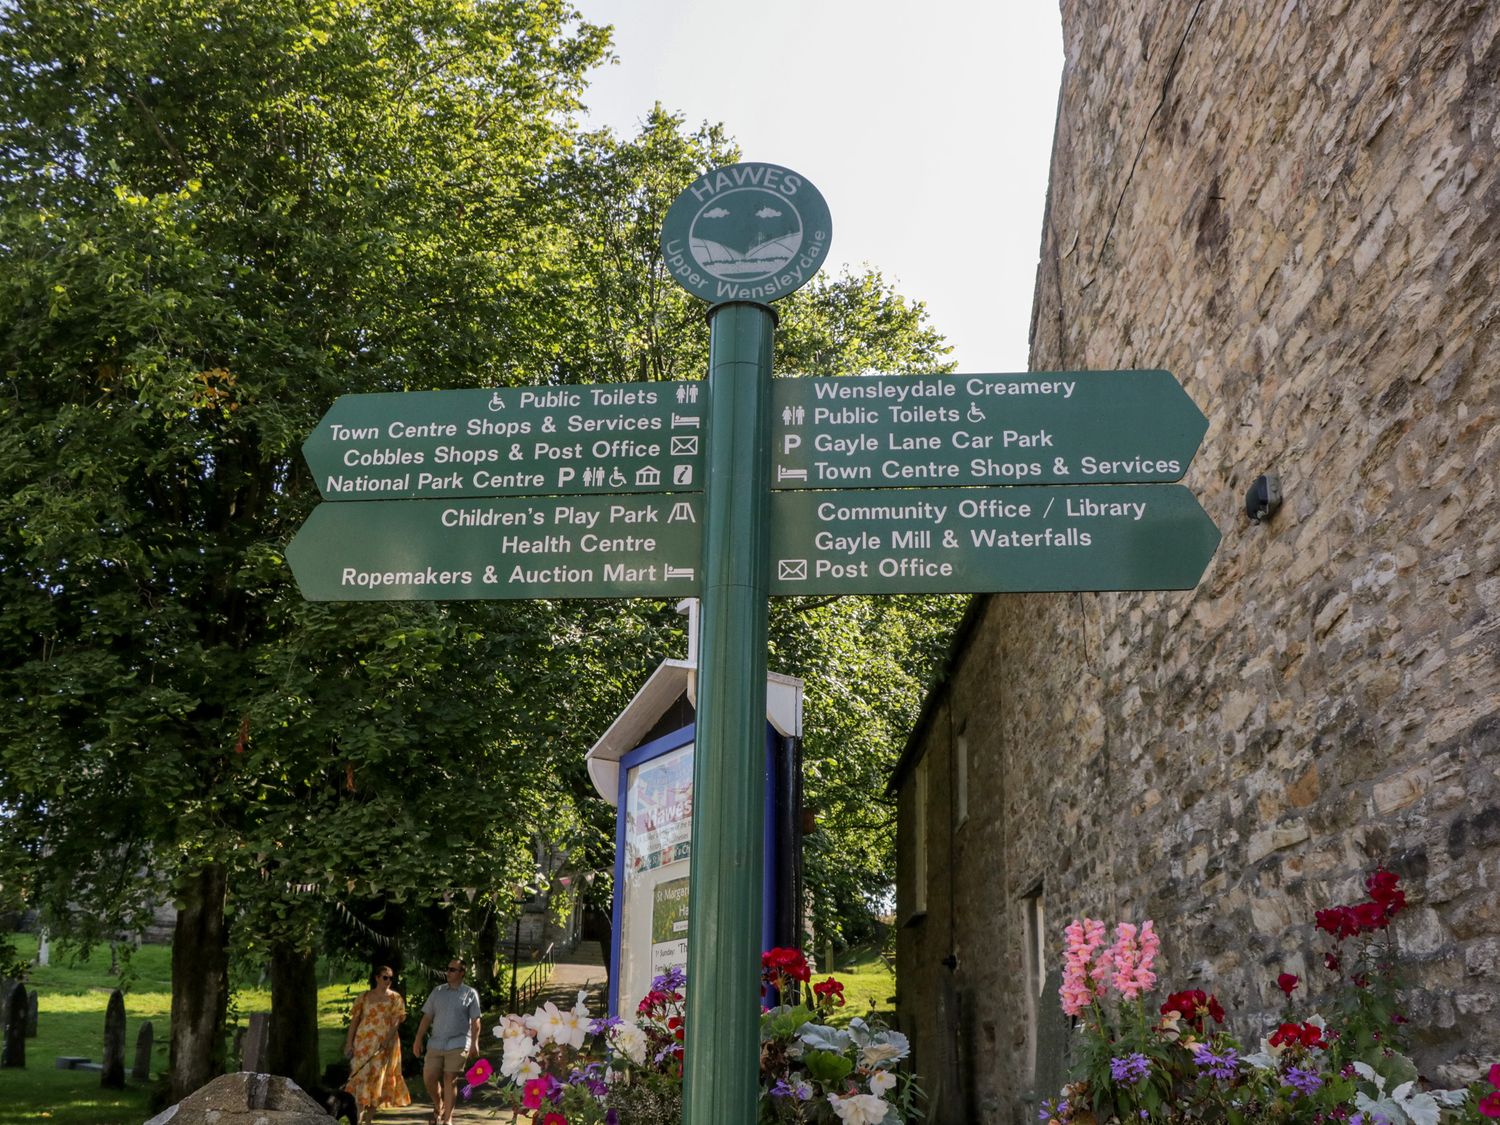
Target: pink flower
[(480, 1072), (533, 1092), (1081, 973), (1132, 955)]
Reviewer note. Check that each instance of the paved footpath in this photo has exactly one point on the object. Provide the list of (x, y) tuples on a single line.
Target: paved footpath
[(583, 971)]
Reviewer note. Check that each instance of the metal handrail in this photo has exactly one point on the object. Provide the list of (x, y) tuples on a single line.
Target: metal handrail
[(540, 972)]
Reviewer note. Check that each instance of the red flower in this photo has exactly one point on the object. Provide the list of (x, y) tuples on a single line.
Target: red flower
[(1285, 1035), (1371, 916), (1287, 982), (1338, 921), (1495, 1076), (830, 991), (784, 962), (1192, 1005), (1382, 888), (554, 1118), (1332, 962), (1489, 1105), (1294, 1035)]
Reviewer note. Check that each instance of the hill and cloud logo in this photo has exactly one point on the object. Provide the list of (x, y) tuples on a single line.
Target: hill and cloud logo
[(745, 235), (748, 232)]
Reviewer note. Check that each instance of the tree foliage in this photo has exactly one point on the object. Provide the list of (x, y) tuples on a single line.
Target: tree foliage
[(216, 218)]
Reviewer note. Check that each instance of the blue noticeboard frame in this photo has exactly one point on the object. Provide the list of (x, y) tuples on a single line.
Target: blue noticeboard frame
[(642, 755)]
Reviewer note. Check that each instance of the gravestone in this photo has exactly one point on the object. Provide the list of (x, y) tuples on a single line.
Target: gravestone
[(33, 1004), (7, 986), (144, 1041), (13, 1053), (113, 1074), (253, 1048)]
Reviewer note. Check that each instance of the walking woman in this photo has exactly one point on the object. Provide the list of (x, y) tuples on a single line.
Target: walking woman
[(373, 1047)]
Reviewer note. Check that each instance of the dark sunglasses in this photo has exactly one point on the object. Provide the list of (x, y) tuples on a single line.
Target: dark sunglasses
[(455, 968)]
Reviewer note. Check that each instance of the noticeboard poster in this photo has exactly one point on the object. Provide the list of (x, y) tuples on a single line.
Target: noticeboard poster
[(654, 887)]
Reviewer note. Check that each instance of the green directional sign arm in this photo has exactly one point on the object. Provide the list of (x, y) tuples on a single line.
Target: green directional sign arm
[(1058, 427), (989, 540), (539, 547)]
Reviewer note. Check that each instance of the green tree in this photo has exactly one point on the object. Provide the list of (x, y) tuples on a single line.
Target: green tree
[(216, 218)]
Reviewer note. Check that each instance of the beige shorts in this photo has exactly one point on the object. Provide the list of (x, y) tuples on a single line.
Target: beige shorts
[(449, 1062)]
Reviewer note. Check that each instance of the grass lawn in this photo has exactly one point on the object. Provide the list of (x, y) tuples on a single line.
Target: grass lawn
[(869, 984), (70, 1021), (72, 1000)]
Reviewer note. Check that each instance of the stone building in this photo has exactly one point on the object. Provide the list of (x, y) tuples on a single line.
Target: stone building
[(1294, 207)]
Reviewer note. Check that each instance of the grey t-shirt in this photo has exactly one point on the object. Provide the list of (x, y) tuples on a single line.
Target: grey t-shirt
[(451, 1010)]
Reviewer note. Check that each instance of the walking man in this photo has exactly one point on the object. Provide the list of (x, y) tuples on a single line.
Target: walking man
[(452, 1012)]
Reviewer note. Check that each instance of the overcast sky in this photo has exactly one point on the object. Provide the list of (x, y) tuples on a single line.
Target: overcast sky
[(927, 127)]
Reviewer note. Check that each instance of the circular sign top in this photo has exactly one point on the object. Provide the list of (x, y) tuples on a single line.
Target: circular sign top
[(748, 232)]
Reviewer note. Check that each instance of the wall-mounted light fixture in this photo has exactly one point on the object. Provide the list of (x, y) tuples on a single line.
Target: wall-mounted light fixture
[(1264, 498)]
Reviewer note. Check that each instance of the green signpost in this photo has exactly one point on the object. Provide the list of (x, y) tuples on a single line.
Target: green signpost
[(741, 488), (514, 441), (1057, 427), (911, 541), (544, 547), (989, 540)]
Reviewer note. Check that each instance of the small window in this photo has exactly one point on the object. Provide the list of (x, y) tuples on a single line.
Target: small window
[(961, 780), (1034, 958), (919, 840)]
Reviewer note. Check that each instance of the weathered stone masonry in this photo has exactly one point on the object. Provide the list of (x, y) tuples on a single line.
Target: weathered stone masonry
[(1295, 207)]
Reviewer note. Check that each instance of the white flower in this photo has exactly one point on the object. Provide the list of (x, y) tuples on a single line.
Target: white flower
[(527, 1071), (881, 1081), (877, 1045), (518, 1052), (629, 1040), (859, 1109), (509, 1027), (572, 1028), (580, 1006), (547, 1022)]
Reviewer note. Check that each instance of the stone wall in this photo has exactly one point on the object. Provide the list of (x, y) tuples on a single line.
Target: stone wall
[(1294, 207)]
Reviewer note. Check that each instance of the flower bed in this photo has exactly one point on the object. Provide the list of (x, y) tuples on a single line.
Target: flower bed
[(569, 1069), (1175, 1063)]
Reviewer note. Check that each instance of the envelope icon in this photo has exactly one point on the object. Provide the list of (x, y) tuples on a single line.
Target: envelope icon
[(789, 570), (684, 446)]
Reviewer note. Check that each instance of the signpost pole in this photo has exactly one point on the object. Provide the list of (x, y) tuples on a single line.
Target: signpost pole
[(721, 1078)]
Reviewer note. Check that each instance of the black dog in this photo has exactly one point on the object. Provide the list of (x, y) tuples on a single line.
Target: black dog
[(340, 1104)]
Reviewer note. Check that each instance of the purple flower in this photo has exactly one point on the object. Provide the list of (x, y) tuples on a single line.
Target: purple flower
[(1218, 1066), (1305, 1082), (1129, 1070), (611, 1117), (781, 1089), (670, 981), (603, 1024)]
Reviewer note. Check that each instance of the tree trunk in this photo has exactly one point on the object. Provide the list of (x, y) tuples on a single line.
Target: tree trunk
[(293, 1048), (200, 981), (484, 959)]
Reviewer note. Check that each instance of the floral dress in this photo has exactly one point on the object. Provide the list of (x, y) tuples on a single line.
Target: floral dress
[(375, 1070)]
